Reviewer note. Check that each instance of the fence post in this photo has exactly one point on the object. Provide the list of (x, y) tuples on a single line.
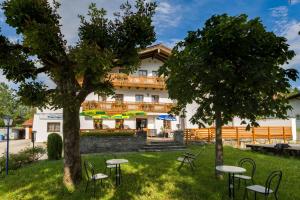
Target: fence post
[(284, 138), (208, 134), (237, 137), (253, 135), (269, 138), (186, 135)]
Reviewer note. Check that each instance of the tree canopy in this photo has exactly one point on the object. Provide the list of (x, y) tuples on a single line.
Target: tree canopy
[(232, 65), (11, 105), (102, 45), (77, 70)]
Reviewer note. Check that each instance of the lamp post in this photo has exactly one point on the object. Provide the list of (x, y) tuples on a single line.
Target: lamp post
[(8, 122)]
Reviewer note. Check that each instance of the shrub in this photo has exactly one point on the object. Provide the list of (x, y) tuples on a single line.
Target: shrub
[(107, 134), (25, 156), (54, 146)]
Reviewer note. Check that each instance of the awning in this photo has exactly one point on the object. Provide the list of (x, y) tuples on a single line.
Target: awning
[(92, 113), (100, 117), (119, 116), (166, 117), (134, 113)]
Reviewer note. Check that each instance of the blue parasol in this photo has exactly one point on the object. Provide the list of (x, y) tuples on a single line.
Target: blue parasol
[(166, 117)]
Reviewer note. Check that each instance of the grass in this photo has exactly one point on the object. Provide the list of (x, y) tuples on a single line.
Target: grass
[(150, 176)]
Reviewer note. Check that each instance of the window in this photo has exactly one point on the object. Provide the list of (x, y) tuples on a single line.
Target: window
[(98, 124), (167, 124), (155, 98), (119, 97), (53, 127), (154, 73), (143, 72), (139, 98), (297, 117), (119, 124)]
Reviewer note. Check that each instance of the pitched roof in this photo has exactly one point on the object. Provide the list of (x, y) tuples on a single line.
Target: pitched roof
[(28, 122), (158, 51)]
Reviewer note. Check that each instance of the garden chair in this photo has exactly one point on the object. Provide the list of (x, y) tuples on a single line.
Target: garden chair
[(274, 179), (189, 158), (92, 176), (244, 162)]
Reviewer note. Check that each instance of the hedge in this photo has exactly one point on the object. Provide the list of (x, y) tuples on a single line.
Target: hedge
[(25, 156), (54, 146), (107, 134)]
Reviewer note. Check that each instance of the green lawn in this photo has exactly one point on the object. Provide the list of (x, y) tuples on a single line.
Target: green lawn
[(151, 176)]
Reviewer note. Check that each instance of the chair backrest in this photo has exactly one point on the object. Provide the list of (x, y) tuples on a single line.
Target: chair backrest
[(273, 179), (200, 151), (89, 169), (248, 161)]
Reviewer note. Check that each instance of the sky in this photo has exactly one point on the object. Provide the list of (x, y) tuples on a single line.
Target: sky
[(174, 18)]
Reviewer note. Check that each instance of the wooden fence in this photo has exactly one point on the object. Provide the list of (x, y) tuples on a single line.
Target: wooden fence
[(239, 133)]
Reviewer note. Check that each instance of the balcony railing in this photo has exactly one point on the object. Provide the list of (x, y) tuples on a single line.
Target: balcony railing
[(120, 107), (124, 80)]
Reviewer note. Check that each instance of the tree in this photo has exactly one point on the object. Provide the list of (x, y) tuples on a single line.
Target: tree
[(103, 44), (231, 67), (10, 105)]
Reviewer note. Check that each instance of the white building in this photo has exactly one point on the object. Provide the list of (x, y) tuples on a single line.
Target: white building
[(141, 91)]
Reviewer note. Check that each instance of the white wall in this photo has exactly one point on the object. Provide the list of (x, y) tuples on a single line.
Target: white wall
[(150, 65), (40, 126)]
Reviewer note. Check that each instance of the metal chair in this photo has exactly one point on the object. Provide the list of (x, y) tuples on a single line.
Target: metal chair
[(92, 176), (273, 179), (242, 163), (189, 158)]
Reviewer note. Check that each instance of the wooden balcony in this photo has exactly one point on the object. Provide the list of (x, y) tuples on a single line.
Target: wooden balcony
[(130, 81), (120, 107)]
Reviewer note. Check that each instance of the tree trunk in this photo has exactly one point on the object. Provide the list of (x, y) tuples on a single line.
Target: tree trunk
[(72, 159), (219, 144)]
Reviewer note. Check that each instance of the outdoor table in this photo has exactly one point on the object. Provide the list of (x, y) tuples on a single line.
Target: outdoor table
[(231, 170), (118, 163)]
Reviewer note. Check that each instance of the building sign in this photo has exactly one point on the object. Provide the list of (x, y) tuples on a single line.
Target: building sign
[(51, 116)]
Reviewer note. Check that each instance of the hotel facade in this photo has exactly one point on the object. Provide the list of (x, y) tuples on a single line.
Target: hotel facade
[(142, 90)]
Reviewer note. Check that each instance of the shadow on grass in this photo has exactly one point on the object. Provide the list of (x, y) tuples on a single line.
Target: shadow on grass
[(149, 176)]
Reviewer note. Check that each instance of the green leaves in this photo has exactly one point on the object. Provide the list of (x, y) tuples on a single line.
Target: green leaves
[(103, 44), (232, 65)]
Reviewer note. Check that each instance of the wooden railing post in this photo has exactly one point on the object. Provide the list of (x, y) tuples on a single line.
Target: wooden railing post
[(208, 134), (269, 137), (237, 136), (253, 135), (283, 132)]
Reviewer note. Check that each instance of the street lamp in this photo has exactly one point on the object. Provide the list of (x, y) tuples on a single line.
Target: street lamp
[(8, 122)]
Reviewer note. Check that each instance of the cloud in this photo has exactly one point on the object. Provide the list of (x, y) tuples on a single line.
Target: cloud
[(167, 15), (171, 42), (293, 2), (280, 15), (291, 34), (69, 11)]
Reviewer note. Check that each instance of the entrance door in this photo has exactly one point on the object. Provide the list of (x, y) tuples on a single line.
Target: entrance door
[(141, 123)]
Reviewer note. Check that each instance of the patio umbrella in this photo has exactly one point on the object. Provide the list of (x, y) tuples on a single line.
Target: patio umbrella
[(100, 117), (166, 117), (92, 112), (119, 116), (134, 113)]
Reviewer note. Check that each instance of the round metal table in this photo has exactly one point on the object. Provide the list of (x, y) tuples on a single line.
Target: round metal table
[(118, 163), (231, 170)]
